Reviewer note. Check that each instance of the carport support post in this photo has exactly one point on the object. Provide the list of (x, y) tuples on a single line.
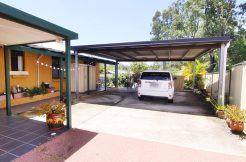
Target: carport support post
[(222, 73), (194, 75), (68, 83), (7, 81), (76, 74), (116, 75), (105, 76), (88, 79), (61, 68)]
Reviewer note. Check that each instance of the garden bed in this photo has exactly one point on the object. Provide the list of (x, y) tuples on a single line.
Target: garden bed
[(24, 100)]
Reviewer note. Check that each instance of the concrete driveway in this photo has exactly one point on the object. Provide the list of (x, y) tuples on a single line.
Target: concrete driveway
[(184, 102), (188, 122)]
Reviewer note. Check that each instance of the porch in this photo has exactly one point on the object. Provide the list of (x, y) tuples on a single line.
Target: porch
[(19, 135)]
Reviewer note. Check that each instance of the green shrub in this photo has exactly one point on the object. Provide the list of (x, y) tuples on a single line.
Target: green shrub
[(188, 84), (53, 107), (36, 90), (199, 84), (123, 78), (220, 107)]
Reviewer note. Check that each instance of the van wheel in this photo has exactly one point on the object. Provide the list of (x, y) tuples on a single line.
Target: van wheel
[(170, 100), (140, 98)]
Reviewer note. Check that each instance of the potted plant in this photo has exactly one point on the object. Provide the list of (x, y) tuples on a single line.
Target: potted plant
[(228, 112), (55, 114), (237, 118), (220, 111)]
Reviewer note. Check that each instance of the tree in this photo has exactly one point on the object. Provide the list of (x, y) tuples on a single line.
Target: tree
[(203, 18), (188, 73), (155, 66), (237, 51), (241, 14), (108, 68), (138, 67), (194, 15), (188, 69), (220, 18), (157, 26), (180, 20)]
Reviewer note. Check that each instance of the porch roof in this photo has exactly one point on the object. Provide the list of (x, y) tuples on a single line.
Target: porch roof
[(164, 50), (18, 27)]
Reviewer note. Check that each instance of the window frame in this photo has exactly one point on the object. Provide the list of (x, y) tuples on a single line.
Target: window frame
[(14, 54), (56, 64)]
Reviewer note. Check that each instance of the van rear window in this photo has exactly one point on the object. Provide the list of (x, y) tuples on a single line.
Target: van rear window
[(155, 76)]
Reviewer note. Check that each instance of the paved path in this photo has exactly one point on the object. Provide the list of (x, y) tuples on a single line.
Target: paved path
[(109, 148), (117, 127), (79, 145), (193, 131)]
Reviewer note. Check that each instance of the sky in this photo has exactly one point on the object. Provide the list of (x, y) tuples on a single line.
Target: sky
[(97, 21)]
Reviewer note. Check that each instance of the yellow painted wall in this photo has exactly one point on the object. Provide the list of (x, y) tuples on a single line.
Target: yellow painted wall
[(2, 76), (30, 65)]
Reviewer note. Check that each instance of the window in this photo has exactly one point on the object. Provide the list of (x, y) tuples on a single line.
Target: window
[(56, 64), (17, 60), (155, 76)]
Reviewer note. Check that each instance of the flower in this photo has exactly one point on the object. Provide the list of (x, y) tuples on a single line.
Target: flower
[(52, 107)]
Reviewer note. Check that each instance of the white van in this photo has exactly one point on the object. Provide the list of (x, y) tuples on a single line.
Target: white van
[(157, 84)]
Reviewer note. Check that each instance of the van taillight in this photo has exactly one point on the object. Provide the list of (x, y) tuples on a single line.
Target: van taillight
[(170, 85)]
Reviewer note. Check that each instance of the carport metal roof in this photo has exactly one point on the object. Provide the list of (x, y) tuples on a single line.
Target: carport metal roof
[(164, 50), (94, 59)]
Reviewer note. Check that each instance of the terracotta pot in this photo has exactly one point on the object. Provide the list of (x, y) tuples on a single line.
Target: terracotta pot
[(228, 122), (220, 114), (18, 95), (237, 127), (3, 97), (55, 121)]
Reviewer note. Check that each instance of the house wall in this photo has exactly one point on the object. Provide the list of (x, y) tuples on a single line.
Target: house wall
[(236, 85), (237, 92), (243, 92), (2, 76), (30, 65), (215, 85)]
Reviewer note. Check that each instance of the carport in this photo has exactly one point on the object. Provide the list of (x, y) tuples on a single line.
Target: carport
[(165, 50)]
